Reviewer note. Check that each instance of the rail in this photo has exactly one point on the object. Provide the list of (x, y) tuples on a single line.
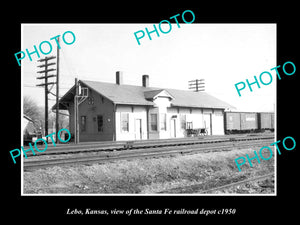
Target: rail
[(263, 177), (197, 188), (142, 144), (154, 151)]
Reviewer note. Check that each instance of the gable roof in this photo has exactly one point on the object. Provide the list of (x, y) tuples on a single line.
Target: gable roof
[(139, 95), (150, 95)]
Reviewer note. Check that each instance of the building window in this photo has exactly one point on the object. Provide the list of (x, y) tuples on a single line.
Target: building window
[(153, 122), (163, 121), (100, 122), (125, 122), (90, 100), (83, 123), (183, 121)]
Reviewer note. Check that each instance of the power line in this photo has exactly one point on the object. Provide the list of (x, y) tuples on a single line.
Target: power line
[(33, 86)]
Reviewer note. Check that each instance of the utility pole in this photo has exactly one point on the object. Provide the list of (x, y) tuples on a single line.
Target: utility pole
[(197, 85), (76, 129), (78, 99), (45, 71), (57, 92)]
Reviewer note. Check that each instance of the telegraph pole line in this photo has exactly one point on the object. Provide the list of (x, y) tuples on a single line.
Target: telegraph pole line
[(197, 85), (45, 77)]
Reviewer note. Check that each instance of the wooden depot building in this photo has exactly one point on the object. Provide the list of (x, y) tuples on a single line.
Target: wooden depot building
[(114, 112)]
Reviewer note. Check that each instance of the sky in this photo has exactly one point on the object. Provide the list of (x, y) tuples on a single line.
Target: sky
[(222, 54)]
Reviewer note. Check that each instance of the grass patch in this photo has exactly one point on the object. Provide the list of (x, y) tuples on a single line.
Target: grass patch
[(145, 176)]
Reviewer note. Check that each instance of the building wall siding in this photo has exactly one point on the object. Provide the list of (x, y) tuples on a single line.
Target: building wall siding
[(218, 122), (153, 134), (93, 106), (160, 108), (139, 120), (137, 114)]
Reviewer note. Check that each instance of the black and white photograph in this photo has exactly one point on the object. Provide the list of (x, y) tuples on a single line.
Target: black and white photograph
[(139, 112), (183, 113)]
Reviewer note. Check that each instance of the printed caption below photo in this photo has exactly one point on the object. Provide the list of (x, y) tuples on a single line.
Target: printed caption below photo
[(165, 211)]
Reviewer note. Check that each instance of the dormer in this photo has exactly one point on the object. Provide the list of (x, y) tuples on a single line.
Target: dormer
[(161, 98)]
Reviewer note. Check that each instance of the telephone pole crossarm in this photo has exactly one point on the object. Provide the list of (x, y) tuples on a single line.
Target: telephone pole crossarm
[(197, 85)]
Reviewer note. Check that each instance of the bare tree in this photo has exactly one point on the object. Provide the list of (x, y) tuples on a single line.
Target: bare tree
[(35, 112), (63, 120), (30, 108)]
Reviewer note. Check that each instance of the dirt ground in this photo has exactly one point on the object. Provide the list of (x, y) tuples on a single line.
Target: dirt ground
[(152, 175)]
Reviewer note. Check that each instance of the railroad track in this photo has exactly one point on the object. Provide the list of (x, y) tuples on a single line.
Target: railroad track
[(123, 145), (153, 151), (259, 178), (198, 188)]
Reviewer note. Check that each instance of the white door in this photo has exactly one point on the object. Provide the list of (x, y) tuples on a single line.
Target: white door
[(138, 129), (173, 128), (207, 122), (218, 124)]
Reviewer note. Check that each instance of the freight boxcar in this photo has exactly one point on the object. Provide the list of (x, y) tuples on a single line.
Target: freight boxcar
[(249, 121), (241, 122), (232, 122), (266, 121), (244, 122)]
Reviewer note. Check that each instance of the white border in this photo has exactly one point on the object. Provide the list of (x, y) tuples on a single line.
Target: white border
[(218, 195)]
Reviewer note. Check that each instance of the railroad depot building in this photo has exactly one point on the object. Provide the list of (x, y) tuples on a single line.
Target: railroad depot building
[(114, 112)]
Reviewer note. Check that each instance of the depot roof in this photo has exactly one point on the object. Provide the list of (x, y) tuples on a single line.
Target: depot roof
[(139, 95)]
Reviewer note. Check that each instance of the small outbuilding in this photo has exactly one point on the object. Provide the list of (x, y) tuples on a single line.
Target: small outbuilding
[(28, 129), (113, 112)]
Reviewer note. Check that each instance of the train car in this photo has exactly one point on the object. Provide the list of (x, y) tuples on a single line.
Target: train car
[(241, 122), (232, 122), (247, 122), (266, 121)]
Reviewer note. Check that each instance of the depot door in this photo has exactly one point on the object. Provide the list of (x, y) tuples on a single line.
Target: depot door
[(138, 129), (173, 128), (207, 122), (217, 124)]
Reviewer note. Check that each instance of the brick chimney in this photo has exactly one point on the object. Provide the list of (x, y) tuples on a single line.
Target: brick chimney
[(119, 77), (145, 80)]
